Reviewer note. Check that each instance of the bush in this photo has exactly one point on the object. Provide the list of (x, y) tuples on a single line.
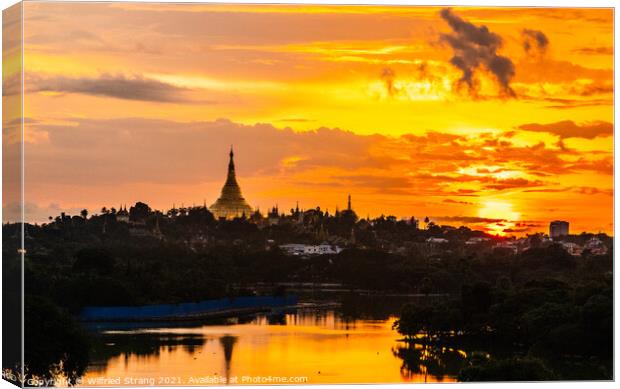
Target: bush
[(431, 320), (54, 343), (510, 369)]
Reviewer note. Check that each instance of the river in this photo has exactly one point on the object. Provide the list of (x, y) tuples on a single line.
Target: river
[(352, 343)]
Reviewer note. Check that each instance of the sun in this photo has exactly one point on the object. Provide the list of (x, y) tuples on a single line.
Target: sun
[(498, 209), (501, 214)]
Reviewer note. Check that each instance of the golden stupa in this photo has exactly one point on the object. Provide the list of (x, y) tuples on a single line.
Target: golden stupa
[(231, 203)]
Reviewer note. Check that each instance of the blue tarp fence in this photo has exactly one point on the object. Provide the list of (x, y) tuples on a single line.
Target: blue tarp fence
[(163, 311)]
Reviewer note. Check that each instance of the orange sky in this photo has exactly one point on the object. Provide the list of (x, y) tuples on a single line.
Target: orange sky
[(465, 115)]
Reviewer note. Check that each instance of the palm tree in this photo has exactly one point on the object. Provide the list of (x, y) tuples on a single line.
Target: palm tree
[(84, 213)]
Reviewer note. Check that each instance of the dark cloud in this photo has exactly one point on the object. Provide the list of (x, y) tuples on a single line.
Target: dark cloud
[(388, 76), (607, 50), (569, 129), (586, 95), (592, 89), (421, 71), (377, 184), (34, 212), (489, 182), (465, 219), (588, 190), (577, 104), (547, 190), (513, 183), (116, 86), (534, 40), (524, 226), (515, 230), (530, 223), (600, 166), (466, 192), (457, 202), (475, 47), (375, 181)]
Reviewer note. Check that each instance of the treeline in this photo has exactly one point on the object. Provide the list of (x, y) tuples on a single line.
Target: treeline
[(543, 315), (76, 270), (71, 264)]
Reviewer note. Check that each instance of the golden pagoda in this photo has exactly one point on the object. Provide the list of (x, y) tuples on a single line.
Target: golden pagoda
[(231, 203)]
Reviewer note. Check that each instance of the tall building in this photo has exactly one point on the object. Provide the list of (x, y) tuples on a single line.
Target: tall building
[(558, 228), (231, 203)]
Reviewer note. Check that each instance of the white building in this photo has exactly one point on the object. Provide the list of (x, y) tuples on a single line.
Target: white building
[(477, 240), (596, 246), (436, 240), (308, 249), (509, 244), (572, 248)]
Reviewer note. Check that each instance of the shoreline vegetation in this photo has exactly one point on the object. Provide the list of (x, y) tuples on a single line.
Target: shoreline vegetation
[(550, 311), (540, 330)]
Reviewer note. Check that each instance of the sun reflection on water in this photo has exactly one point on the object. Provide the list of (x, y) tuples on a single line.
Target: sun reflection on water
[(321, 346)]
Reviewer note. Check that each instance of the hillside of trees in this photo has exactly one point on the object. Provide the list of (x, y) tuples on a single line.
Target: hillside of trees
[(542, 302)]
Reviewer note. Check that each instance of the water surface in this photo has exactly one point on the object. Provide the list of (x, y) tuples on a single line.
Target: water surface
[(304, 346)]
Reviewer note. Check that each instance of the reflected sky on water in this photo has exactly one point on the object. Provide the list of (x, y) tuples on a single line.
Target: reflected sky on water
[(320, 345)]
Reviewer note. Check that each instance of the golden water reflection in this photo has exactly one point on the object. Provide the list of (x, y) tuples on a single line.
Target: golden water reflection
[(322, 347)]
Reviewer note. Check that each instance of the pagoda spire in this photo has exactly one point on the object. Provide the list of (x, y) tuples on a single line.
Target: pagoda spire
[(232, 179), (231, 203)]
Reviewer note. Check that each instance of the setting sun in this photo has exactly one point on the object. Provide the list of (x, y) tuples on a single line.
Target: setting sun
[(497, 209)]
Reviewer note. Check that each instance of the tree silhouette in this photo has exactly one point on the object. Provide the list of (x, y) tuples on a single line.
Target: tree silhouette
[(139, 212), (54, 343)]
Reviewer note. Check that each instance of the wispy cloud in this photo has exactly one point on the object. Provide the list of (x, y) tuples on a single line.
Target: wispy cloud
[(569, 129), (115, 86), (465, 219), (603, 50)]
